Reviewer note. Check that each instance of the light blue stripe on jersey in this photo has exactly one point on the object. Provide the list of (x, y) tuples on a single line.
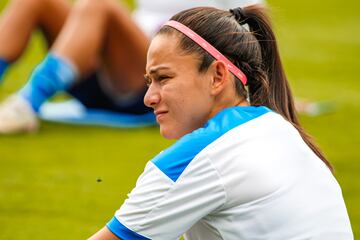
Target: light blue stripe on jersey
[(175, 159), (123, 232)]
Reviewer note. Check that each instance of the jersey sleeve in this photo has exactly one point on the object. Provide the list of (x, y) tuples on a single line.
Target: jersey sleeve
[(164, 206)]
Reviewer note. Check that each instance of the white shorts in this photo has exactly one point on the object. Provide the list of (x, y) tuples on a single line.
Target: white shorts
[(151, 15)]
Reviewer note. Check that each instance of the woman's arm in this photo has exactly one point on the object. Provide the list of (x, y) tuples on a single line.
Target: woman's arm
[(104, 234)]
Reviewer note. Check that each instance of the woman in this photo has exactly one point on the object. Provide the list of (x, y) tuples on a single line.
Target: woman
[(242, 167)]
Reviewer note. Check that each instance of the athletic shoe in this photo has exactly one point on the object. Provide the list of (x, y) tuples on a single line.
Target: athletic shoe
[(17, 116)]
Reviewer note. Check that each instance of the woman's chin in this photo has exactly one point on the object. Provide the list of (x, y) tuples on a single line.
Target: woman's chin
[(169, 133)]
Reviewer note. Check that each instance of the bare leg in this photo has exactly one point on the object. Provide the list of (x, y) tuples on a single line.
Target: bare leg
[(125, 49), (23, 16), (101, 33)]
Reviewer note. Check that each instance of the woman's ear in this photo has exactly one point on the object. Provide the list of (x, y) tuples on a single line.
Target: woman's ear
[(220, 74)]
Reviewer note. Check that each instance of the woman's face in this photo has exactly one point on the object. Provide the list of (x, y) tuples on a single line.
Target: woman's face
[(179, 94)]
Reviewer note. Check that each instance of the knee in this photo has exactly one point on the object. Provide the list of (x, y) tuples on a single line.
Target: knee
[(92, 6), (33, 5), (30, 4)]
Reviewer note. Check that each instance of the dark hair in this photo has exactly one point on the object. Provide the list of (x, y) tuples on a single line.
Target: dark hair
[(253, 50)]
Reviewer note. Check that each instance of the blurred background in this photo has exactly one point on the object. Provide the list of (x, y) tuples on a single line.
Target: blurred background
[(67, 181)]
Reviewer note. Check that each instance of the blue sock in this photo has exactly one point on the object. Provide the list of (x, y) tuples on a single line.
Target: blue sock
[(3, 66), (52, 75)]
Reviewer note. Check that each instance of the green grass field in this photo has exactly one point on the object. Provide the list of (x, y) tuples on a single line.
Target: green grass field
[(67, 181)]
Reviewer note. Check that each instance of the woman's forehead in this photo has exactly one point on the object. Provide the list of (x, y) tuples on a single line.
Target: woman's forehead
[(163, 44), (164, 50)]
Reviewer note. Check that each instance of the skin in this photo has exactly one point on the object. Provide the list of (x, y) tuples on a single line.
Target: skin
[(102, 34), (103, 234), (184, 99), (20, 19)]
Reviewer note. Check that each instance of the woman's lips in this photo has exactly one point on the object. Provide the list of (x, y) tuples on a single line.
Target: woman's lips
[(160, 114)]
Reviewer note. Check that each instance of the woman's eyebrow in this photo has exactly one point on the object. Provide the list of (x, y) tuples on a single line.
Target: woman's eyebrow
[(156, 69)]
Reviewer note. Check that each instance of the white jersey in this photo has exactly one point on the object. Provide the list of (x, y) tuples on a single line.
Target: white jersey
[(247, 174), (151, 15)]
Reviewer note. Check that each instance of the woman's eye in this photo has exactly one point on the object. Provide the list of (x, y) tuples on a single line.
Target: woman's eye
[(163, 77), (159, 79)]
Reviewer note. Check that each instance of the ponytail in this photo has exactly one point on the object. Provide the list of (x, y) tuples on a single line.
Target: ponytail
[(271, 87)]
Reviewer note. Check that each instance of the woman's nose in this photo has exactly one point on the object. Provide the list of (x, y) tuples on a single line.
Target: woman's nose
[(152, 96)]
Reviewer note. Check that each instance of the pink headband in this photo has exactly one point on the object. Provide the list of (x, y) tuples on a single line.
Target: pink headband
[(208, 47)]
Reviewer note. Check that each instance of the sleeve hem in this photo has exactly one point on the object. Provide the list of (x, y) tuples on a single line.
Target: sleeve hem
[(122, 232)]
